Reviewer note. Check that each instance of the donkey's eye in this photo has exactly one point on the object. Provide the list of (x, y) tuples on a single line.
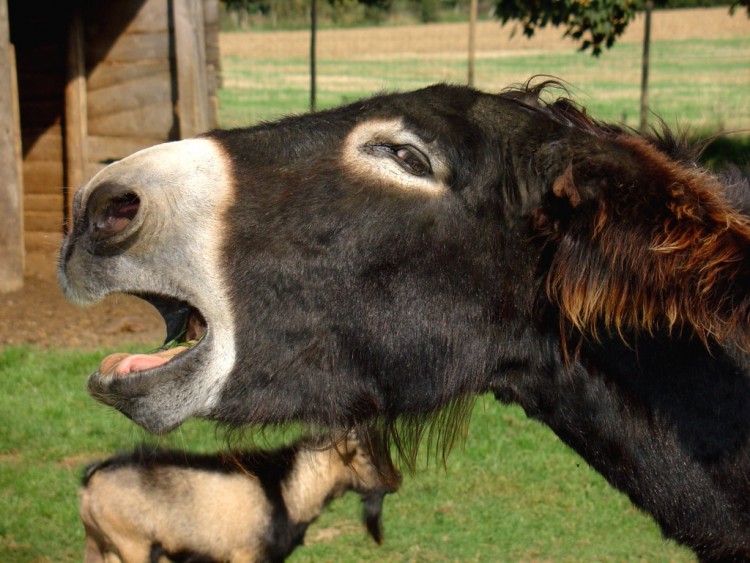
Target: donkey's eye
[(412, 160), (409, 158)]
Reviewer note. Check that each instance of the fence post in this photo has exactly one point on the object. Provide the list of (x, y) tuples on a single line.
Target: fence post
[(192, 81), (76, 119), (472, 40), (645, 63), (11, 191), (313, 54)]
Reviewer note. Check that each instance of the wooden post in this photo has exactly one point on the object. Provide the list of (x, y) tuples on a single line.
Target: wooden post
[(645, 64), (17, 132), (193, 105), (11, 191), (313, 54), (76, 114), (472, 40)]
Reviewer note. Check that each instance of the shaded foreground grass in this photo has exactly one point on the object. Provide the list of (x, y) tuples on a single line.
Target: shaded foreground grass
[(513, 493)]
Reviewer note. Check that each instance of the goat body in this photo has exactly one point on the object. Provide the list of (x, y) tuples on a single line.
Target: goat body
[(227, 507)]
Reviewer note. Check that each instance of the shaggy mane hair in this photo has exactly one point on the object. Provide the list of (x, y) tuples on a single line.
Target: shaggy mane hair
[(658, 244)]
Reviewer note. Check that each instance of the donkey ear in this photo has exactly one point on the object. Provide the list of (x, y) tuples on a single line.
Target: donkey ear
[(642, 242), (573, 180), (564, 187), (565, 198)]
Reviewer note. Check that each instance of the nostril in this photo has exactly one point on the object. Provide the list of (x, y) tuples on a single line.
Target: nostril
[(117, 215), (112, 209)]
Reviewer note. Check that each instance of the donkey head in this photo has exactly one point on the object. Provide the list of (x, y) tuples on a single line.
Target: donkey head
[(387, 258)]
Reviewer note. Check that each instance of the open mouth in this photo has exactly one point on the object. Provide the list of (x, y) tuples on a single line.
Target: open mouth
[(186, 328)]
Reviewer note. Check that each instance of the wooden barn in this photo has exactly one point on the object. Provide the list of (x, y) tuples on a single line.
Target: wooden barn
[(86, 82)]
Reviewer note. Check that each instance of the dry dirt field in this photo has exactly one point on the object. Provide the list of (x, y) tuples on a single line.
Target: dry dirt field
[(39, 315), (453, 38)]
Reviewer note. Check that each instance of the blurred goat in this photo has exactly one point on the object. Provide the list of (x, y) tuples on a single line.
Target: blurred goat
[(238, 507)]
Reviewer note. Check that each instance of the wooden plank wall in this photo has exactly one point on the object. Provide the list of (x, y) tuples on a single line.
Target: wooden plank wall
[(132, 80), (129, 101), (130, 84)]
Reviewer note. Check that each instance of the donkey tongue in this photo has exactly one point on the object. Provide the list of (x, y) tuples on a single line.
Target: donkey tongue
[(139, 362), (122, 364)]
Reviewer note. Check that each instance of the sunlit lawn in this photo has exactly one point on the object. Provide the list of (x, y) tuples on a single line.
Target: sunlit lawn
[(513, 493), (701, 85)]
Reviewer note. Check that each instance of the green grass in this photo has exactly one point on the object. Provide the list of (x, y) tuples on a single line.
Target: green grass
[(513, 493), (696, 84)]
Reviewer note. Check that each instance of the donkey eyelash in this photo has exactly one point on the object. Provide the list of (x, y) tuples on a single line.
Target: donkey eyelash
[(408, 157)]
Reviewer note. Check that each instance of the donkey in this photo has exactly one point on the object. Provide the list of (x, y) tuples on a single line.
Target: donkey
[(385, 261), (239, 507)]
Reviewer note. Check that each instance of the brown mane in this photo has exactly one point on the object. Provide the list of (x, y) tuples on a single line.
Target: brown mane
[(661, 247)]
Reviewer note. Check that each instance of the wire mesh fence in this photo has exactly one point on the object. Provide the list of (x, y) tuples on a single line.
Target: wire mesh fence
[(699, 78)]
